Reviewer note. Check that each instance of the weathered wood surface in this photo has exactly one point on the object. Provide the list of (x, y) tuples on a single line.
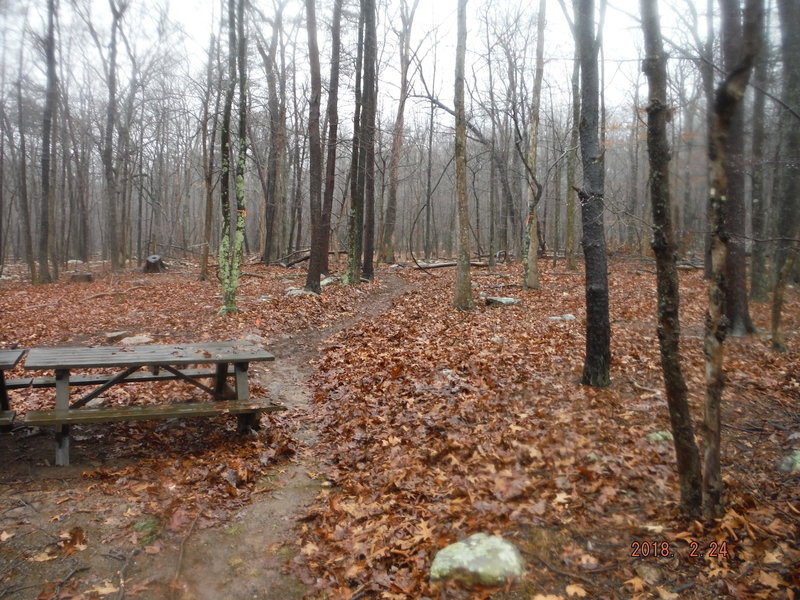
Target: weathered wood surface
[(155, 355), (9, 358), (6, 417), (99, 378), (148, 412)]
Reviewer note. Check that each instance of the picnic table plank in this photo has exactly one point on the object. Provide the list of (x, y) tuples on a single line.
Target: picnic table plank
[(8, 358), (174, 355)]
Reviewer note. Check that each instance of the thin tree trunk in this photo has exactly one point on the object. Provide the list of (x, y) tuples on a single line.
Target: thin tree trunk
[(728, 97), (530, 258), (355, 221), (597, 362), (572, 163), (463, 288), (665, 249), (48, 187), (315, 152), (369, 108)]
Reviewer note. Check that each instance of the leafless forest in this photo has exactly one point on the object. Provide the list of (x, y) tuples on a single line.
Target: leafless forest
[(114, 127)]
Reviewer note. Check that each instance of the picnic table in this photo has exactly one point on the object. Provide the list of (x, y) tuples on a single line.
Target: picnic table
[(162, 362)]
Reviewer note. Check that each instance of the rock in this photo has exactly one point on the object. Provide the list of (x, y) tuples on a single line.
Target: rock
[(96, 402), (790, 463), (296, 292), (135, 339), (479, 560), (566, 317), (497, 301), (497, 339), (265, 298), (328, 281), (115, 336), (255, 338), (654, 437)]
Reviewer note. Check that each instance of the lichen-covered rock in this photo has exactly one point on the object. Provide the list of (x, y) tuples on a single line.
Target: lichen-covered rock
[(479, 560), (499, 301), (790, 463), (656, 437)]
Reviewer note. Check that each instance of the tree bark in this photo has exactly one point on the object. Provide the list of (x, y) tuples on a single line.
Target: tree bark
[(736, 305), (463, 287), (369, 106), (665, 249), (404, 38), (315, 151), (48, 187), (530, 256), (597, 362), (727, 99)]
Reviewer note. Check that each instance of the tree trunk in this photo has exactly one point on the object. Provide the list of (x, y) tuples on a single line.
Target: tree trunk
[(572, 160), (665, 249), (530, 258), (355, 221), (208, 154), (736, 305), (597, 361), (369, 105), (387, 250), (759, 271), (463, 288), (315, 152), (48, 187), (728, 97), (333, 133), (788, 213)]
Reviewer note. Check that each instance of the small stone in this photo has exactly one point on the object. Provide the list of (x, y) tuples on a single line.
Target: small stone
[(265, 298), (790, 463), (497, 340), (498, 301), (479, 560), (135, 339), (656, 437), (96, 403), (296, 292), (566, 317), (115, 336)]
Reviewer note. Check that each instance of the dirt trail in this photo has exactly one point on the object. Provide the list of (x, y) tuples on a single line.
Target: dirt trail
[(243, 558), (246, 558)]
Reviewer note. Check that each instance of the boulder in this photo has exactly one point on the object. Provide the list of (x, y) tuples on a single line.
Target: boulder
[(328, 281), (566, 317), (115, 336), (296, 292), (655, 437), (479, 560)]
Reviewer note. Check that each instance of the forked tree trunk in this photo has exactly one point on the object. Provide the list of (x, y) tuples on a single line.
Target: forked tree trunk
[(665, 249)]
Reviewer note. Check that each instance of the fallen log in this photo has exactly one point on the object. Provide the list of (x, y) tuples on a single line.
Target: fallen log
[(425, 267)]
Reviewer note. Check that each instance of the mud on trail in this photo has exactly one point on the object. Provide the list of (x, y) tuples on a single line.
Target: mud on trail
[(100, 528)]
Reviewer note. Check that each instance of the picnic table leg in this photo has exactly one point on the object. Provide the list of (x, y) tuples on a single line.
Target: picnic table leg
[(246, 421), (62, 431)]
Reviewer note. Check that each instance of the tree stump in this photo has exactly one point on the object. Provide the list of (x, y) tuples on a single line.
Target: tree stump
[(154, 264), (81, 278)]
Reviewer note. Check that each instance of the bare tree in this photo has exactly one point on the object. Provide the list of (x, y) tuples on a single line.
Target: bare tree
[(463, 288), (665, 249), (597, 362), (387, 250), (315, 151), (728, 98)]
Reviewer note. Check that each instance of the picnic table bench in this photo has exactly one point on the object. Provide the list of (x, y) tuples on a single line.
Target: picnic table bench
[(163, 362)]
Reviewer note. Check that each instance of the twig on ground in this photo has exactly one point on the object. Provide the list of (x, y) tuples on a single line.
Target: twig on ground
[(178, 567)]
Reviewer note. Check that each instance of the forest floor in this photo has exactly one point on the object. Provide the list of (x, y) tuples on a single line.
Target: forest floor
[(409, 425)]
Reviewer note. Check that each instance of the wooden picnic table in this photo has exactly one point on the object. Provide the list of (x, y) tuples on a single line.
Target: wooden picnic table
[(163, 362)]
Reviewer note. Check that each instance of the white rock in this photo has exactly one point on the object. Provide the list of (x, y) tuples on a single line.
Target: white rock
[(479, 560)]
